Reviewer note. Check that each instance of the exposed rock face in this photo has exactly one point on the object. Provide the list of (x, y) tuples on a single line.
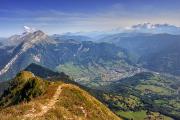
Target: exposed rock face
[(37, 47), (29, 40)]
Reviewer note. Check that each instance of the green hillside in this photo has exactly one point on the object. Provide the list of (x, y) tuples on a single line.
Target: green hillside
[(142, 92), (30, 97)]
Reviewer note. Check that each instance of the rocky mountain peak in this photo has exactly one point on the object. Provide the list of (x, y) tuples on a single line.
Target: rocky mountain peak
[(37, 35)]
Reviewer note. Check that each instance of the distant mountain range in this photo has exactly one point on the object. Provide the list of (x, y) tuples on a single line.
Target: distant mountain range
[(79, 57), (138, 28), (71, 37), (158, 52), (89, 60)]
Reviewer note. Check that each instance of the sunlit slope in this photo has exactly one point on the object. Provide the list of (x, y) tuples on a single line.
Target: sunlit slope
[(55, 100)]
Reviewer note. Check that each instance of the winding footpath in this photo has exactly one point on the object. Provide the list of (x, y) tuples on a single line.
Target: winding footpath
[(44, 108)]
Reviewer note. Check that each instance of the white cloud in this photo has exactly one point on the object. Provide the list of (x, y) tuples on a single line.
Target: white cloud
[(55, 21)]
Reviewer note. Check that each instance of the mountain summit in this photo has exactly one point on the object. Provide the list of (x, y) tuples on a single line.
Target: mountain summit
[(29, 33), (26, 41), (33, 38)]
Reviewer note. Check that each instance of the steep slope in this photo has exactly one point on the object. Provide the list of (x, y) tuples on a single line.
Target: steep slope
[(3, 86), (71, 37), (91, 61), (23, 87), (15, 40), (158, 52), (41, 71), (5, 55), (57, 101), (29, 41), (165, 60)]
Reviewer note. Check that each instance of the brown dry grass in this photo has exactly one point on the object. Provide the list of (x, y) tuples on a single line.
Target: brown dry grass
[(73, 104)]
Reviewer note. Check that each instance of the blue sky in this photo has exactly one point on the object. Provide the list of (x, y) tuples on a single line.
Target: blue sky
[(57, 16)]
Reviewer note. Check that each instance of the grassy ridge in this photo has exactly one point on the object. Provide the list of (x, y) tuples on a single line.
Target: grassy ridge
[(72, 102), (24, 87)]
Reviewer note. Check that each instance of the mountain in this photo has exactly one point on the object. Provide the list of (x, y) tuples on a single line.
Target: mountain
[(24, 87), (137, 28), (93, 35), (157, 52), (29, 41), (3, 86), (84, 60), (88, 61), (125, 95), (15, 40), (71, 37), (41, 71), (1, 40), (5, 54), (111, 69), (46, 73), (31, 97)]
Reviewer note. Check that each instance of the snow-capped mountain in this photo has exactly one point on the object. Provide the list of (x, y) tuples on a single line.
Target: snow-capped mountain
[(23, 43), (154, 28), (15, 40)]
